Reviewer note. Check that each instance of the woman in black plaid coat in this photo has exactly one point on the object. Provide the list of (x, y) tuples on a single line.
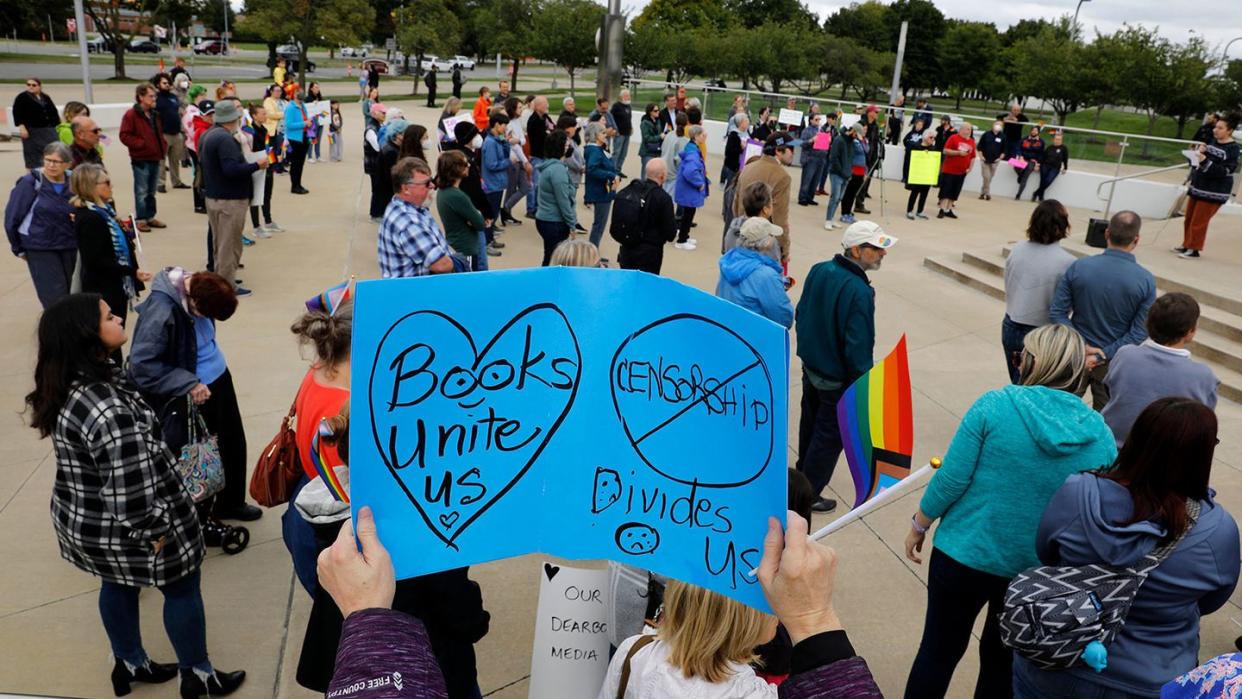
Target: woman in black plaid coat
[(118, 507)]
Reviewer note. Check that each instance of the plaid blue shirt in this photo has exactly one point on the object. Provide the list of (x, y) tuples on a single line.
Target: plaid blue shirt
[(410, 241)]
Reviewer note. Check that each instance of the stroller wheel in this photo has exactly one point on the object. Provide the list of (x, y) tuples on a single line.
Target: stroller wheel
[(235, 540)]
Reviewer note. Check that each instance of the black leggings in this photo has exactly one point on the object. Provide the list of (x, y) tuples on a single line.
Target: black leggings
[(223, 419), (297, 162), (380, 194), (684, 223), (956, 593), (851, 191), (919, 194), (267, 201)]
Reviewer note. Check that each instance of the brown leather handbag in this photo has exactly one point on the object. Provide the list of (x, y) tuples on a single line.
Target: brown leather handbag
[(279, 466)]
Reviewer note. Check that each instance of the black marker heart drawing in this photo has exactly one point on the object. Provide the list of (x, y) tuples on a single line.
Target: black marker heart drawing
[(459, 427), (551, 570)]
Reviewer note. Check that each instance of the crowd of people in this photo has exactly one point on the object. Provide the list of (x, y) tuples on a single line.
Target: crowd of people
[(1098, 488)]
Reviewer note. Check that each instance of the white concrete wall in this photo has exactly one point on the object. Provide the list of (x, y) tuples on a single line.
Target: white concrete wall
[(1076, 189), (108, 116)]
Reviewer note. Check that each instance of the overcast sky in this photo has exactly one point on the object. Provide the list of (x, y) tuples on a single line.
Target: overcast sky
[(1218, 20)]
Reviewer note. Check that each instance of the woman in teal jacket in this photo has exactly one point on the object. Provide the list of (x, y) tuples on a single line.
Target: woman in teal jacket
[(299, 145), (1013, 450), (601, 174), (555, 216)]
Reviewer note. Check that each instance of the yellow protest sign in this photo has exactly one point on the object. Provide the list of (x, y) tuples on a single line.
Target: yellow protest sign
[(924, 167)]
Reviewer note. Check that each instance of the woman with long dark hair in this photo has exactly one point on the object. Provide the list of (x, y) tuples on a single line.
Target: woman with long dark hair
[(316, 127), (1117, 517), (118, 507), (415, 143)]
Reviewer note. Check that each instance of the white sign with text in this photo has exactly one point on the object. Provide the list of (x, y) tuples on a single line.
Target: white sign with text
[(570, 655)]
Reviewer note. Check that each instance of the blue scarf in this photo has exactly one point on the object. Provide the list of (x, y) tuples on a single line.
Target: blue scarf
[(120, 244)]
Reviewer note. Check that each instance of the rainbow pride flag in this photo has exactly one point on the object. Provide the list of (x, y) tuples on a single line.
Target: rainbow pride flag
[(327, 473), (331, 299), (876, 417)]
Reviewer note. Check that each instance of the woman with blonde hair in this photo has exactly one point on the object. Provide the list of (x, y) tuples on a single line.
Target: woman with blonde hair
[(1013, 449), (576, 253), (703, 648), (451, 106), (109, 266)]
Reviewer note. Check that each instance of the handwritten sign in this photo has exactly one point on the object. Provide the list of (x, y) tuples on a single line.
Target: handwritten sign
[(823, 141), (570, 654), (792, 117), (924, 167), (585, 413), (450, 124), (754, 149)]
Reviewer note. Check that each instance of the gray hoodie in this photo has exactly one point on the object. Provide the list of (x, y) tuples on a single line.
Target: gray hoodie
[(1083, 524)]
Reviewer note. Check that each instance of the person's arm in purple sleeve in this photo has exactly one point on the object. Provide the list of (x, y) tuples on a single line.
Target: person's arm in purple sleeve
[(797, 578), (387, 654), (382, 653)]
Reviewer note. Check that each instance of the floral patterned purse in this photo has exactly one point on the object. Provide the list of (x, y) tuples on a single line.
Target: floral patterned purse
[(199, 465)]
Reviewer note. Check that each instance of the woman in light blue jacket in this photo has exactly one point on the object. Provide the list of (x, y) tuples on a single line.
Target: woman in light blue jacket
[(295, 134), (751, 276)]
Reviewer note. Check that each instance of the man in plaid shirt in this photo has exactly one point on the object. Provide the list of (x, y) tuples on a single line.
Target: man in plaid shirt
[(411, 243)]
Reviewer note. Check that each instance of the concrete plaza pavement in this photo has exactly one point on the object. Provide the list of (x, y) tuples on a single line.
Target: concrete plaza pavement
[(52, 642)]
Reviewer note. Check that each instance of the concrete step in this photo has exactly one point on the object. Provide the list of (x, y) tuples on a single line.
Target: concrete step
[(1218, 343)]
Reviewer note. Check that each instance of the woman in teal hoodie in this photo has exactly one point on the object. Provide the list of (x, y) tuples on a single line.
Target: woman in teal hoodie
[(555, 216), (1013, 449)]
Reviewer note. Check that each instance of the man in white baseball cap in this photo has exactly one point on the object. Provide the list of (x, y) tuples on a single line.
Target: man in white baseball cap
[(836, 342)]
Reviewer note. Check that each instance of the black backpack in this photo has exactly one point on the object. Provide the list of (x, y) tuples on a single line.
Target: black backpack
[(629, 212)]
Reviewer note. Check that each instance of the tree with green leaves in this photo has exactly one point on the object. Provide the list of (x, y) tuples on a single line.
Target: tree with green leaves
[(305, 21), (106, 15), (684, 14), (927, 26), (423, 27), (565, 34), (646, 48), (968, 54), (1229, 87), (507, 27), (1144, 73), (865, 23), (1049, 66), (754, 13), (1189, 92)]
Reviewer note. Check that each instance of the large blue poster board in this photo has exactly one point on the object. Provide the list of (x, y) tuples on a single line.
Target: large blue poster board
[(583, 413)]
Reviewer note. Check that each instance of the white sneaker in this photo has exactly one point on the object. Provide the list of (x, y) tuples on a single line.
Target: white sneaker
[(273, 228), (692, 241), (262, 232), (310, 160), (688, 245), (830, 226)]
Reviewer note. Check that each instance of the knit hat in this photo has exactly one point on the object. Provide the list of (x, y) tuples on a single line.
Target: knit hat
[(195, 91), (465, 132), (866, 233), (757, 229)]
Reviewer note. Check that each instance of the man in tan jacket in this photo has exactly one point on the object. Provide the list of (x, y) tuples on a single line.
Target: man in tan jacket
[(778, 153)]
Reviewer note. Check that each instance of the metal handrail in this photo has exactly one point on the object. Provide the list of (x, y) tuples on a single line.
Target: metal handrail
[(1112, 182), (910, 108)]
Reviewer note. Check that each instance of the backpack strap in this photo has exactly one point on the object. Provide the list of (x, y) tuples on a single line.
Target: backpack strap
[(1153, 560), (642, 642)]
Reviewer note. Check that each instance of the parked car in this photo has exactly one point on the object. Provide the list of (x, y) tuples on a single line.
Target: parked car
[(98, 45), (465, 62), (289, 52), (353, 52), (439, 65), (140, 45), (212, 47)]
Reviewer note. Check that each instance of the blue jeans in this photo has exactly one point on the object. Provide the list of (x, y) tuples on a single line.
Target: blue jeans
[(838, 191), (146, 181), (184, 620), (620, 149), (1012, 335), (300, 540), (1047, 176), (1030, 682), (532, 200), (479, 261), (598, 225), (810, 179), (642, 171)]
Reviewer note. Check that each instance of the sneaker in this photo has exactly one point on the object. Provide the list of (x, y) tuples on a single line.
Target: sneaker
[(830, 226), (693, 241), (578, 227), (862, 209), (824, 505), (156, 223), (921, 215), (940, 214), (849, 219), (950, 214), (1189, 255), (983, 196), (262, 232), (1179, 250), (243, 291), (247, 241), (493, 252), (181, 186), (300, 190), (910, 215), (273, 228), (497, 244), (310, 160), (685, 246)]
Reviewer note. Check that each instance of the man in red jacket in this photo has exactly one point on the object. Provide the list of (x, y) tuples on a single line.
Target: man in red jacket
[(142, 135)]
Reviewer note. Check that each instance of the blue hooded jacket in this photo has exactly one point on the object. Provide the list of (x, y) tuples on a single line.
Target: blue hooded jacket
[(755, 282), (1085, 523), (600, 170), (37, 217), (495, 168), (691, 188)]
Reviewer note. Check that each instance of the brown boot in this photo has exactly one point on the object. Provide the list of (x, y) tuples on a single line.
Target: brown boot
[(156, 223), (143, 227)]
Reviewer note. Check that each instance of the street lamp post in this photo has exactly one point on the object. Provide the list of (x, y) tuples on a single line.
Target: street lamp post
[(226, 26), (1225, 53), (1076, 9)]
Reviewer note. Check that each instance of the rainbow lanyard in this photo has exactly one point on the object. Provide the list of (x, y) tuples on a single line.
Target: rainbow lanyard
[(327, 474)]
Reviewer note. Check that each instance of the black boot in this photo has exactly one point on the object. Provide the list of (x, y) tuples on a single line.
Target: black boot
[(219, 684), (153, 673)]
